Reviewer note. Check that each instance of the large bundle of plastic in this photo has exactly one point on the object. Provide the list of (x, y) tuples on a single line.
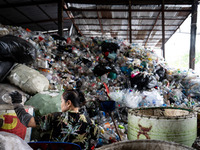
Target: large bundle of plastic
[(29, 80)]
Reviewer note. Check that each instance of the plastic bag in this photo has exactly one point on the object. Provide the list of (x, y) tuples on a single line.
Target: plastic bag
[(46, 102), (151, 99), (161, 73), (192, 87), (142, 81), (16, 49), (5, 68), (117, 96), (6, 89), (102, 69), (109, 47), (132, 99), (3, 31), (10, 141), (29, 80)]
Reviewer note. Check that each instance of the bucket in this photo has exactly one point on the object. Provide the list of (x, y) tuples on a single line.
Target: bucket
[(145, 145), (166, 123), (12, 124)]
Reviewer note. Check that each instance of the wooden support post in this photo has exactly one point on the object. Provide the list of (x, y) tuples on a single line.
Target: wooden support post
[(163, 28), (60, 17), (193, 34)]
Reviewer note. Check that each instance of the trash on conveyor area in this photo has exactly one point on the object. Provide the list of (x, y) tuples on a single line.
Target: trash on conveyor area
[(41, 66)]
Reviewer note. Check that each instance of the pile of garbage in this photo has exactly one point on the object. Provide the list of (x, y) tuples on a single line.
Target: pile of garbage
[(41, 66)]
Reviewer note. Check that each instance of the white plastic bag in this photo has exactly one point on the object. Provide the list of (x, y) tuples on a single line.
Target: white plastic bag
[(28, 79), (9, 141)]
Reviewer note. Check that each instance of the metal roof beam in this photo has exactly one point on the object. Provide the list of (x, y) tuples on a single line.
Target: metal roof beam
[(22, 4), (124, 25), (152, 28), (144, 18), (122, 30), (100, 24), (126, 34), (132, 10), (72, 19), (176, 29), (123, 2)]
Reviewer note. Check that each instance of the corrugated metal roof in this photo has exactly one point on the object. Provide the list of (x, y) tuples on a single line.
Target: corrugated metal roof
[(101, 18)]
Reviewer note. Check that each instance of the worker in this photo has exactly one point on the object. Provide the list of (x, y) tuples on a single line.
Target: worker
[(69, 126)]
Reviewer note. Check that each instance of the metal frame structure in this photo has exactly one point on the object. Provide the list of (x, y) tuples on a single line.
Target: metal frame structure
[(152, 31)]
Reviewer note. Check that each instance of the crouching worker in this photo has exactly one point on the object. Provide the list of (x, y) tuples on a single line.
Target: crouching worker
[(66, 126)]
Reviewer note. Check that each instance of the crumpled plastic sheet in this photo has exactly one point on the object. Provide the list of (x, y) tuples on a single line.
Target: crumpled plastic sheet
[(9, 141)]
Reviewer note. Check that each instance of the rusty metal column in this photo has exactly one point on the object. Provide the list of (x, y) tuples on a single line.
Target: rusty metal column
[(163, 28), (193, 34), (130, 25), (60, 17)]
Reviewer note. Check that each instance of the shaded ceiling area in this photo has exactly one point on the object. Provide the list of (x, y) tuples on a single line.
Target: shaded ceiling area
[(114, 18), (37, 15)]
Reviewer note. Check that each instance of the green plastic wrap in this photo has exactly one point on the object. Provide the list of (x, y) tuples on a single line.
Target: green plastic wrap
[(46, 102)]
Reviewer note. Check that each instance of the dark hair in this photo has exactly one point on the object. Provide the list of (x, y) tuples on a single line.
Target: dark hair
[(73, 96), (76, 96)]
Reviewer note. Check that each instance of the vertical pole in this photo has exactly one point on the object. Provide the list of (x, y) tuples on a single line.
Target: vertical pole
[(120, 138), (193, 34), (130, 25), (60, 17), (163, 28)]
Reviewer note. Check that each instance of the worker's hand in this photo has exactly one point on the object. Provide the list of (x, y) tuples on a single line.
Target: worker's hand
[(16, 97)]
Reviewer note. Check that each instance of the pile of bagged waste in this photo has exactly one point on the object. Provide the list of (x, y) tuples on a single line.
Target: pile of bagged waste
[(41, 66)]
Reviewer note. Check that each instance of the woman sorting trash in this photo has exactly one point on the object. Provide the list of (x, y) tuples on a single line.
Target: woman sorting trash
[(66, 126)]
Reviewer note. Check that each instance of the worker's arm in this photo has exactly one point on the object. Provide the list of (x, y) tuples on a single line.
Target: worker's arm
[(24, 117)]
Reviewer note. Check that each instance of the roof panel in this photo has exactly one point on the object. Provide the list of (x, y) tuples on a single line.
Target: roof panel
[(51, 9), (49, 26), (32, 27), (4, 21), (13, 15), (17, 1), (2, 2), (33, 12)]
